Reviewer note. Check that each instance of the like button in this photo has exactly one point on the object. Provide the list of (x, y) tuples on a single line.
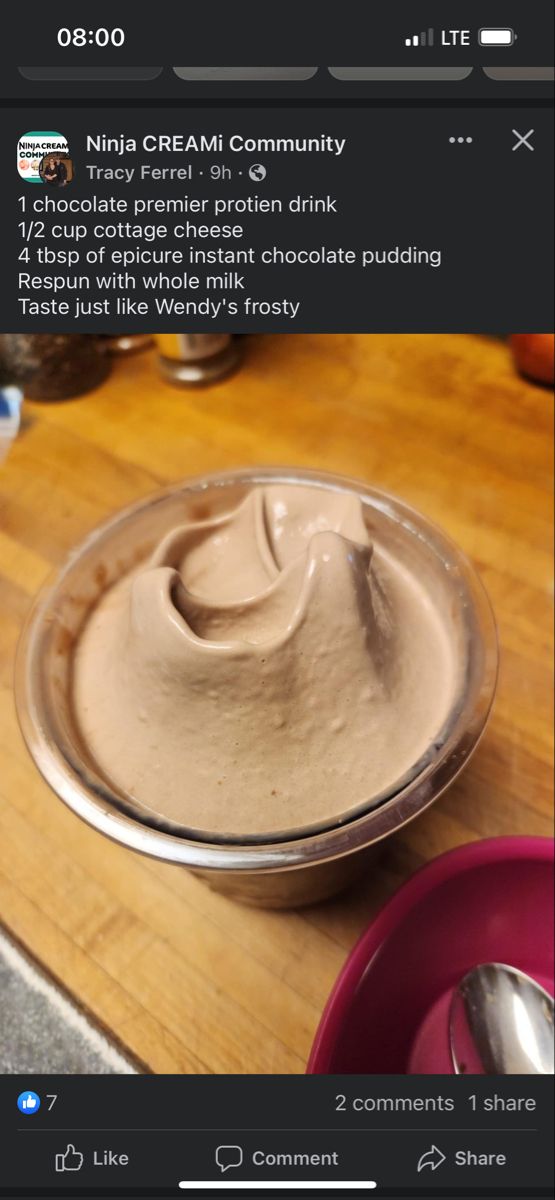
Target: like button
[(70, 1160)]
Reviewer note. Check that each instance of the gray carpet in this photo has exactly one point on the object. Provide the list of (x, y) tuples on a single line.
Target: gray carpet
[(41, 1029)]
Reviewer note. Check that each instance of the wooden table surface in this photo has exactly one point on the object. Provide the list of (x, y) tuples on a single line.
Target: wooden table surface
[(186, 980)]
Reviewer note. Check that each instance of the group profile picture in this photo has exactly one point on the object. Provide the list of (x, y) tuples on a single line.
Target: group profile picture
[(43, 157), (56, 170)]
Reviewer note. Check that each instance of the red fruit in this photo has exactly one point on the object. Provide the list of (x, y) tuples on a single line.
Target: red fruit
[(535, 355)]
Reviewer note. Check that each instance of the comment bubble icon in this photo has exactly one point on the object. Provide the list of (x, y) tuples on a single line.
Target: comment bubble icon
[(229, 1156)]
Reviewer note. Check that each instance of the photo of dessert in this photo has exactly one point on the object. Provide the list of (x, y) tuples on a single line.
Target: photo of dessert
[(245, 672), (286, 634), (299, 649)]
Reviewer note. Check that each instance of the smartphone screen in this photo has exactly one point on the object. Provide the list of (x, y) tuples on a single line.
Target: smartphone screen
[(276, 582)]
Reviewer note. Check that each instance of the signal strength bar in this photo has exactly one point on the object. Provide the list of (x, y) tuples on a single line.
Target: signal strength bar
[(421, 39)]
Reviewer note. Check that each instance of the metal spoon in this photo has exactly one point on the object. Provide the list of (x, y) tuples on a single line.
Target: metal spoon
[(501, 1023)]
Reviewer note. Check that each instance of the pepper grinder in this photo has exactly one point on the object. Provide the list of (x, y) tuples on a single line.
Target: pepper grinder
[(54, 366), (193, 359)]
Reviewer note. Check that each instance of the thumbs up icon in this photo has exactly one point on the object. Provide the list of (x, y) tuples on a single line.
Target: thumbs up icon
[(28, 1103), (70, 1160)]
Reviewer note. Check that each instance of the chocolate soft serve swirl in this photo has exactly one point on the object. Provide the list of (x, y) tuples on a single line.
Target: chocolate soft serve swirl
[(266, 670)]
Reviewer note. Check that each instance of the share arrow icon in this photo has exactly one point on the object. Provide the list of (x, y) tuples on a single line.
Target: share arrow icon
[(432, 1158)]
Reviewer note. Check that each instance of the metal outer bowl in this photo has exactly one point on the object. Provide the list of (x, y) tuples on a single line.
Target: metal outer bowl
[(305, 867)]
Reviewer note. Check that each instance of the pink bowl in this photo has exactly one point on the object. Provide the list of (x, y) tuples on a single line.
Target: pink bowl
[(489, 901)]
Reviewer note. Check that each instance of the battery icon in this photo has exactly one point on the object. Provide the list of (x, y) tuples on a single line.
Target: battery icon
[(496, 37)]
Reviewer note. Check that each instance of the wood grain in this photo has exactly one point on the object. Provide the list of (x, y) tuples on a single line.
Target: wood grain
[(186, 980)]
